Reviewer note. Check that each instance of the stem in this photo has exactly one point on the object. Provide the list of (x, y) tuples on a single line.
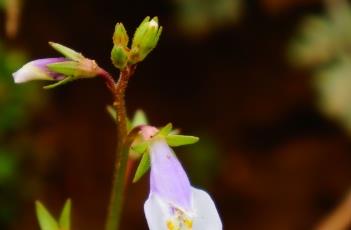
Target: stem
[(119, 177)]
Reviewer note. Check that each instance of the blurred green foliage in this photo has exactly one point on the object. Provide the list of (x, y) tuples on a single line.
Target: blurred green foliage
[(16, 103), (2, 3), (324, 45), (200, 17)]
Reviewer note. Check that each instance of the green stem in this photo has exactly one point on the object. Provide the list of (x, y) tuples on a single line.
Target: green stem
[(119, 177)]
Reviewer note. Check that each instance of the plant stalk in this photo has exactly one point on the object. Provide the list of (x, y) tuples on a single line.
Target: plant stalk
[(119, 177)]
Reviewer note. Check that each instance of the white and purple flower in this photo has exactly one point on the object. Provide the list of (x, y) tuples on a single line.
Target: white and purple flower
[(173, 204), (61, 69), (38, 70)]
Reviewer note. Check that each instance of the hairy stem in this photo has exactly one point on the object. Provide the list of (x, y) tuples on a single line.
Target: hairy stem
[(119, 177)]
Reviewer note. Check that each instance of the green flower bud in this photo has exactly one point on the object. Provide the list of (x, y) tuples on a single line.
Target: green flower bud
[(120, 36), (119, 57), (145, 39)]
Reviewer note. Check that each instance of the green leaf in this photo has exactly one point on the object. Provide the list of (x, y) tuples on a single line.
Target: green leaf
[(139, 118), (46, 221), (65, 217), (179, 140), (67, 52), (59, 83), (140, 147), (143, 167), (164, 131)]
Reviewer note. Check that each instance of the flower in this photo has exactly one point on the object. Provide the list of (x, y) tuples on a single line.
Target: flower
[(173, 204), (38, 70), (62, 69)]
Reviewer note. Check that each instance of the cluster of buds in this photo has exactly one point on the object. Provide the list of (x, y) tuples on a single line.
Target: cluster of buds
[(144, 41)]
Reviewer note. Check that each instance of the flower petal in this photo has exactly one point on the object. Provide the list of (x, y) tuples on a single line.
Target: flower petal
[(156, 213), (168, 179), (205, 211), (37, 70)]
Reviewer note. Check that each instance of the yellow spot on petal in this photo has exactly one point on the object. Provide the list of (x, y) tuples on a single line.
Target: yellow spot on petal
[(188, 223), (170, 225)]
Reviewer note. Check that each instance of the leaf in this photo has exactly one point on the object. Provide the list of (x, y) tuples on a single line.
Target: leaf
[(179, 140), (140, 147), (66, 51), (143, 167), (139, 118), (65, 217), (46, 221), (59, 83), (164, 131)]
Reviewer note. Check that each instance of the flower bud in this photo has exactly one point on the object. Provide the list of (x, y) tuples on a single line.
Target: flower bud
[(145, 39), (119, 57), (120, 36)]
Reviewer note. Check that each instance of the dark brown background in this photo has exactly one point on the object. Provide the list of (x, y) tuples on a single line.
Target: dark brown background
[(279, 163)]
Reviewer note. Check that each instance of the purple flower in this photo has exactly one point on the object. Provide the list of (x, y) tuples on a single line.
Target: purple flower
[(38, 70), (173, 204)]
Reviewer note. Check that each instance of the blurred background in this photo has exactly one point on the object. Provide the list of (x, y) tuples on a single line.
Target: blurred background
[(264, 83)]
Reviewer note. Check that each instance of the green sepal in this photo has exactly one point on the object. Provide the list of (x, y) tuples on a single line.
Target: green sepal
[(164, 131), (140, 31), (143, 167), (140, 147), (67, 52), (59, 83), (46, 221), (65, 217), (139, 118), (68, 68), (179, 140)]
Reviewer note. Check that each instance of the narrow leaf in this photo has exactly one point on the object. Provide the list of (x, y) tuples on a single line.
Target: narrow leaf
[(67, 52), (143, 167), (65, 217), (46, 221), (179, 140)]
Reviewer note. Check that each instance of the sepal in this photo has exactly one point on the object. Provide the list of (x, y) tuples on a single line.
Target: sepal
[(66, 51), (143, 167), (179, 140), (164, 131)]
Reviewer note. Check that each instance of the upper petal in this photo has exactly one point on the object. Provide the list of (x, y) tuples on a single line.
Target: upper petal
[(206, 215), (168, 179)]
